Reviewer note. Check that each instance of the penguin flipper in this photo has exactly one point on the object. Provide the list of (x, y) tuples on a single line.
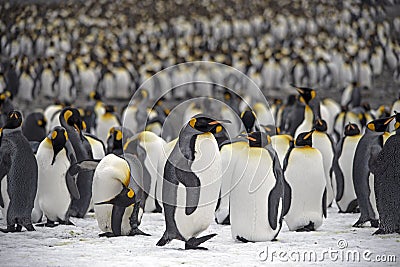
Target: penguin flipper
[(192, 184), (72, 187), (116, 219), (83, 166), (324, 212), (273, 205)]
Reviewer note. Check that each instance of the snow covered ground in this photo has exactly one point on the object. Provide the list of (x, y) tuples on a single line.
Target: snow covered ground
[(336, 242)]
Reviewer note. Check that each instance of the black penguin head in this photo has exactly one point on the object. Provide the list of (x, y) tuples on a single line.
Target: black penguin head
[(380, 125), (58, 138), (271, 130), (109, 109), (320, 125), (125, 198), (304, 139), (14, 120), (306, 94), (94, 95), (258, 139), (248, 118), (351, 129), (114, 141), (72, 118), (205, 124)]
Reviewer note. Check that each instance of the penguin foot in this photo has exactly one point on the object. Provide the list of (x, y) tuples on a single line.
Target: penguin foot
[(380, 231), (193, 243), (11, 229), (242, 239), (359, 223), (308, 228), (375, 223), (30, 228), (107, 234), (163, 240), (67, 222), (137, 231)]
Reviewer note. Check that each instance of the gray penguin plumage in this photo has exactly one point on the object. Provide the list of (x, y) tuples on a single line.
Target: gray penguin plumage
[(18, 162), (369, 145), (385, 166)]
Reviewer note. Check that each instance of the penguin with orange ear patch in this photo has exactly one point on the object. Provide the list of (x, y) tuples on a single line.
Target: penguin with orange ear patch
[(305, 185)]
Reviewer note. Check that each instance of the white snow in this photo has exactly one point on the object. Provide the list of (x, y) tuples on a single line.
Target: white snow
[(80, 246)]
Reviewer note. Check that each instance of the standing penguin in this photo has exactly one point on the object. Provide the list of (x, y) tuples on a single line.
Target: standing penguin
[(306, 95), (71, 120), (18, 162), (385, 167), (192, 177), (256, 206), (55, 187), (305, 187), (342, 167), (34, 127), (105, 122), (324, 143), (370, 144)]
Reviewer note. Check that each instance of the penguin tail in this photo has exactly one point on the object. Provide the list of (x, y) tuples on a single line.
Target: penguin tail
[(163, 240), (193, 243), (137, 231)]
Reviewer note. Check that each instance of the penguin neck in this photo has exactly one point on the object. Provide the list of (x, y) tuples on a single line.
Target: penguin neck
[(187, 140), (9, 131)]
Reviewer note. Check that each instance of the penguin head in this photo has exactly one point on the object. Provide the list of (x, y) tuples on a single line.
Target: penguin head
[(95, 95), (125, 198), (114, 140), (248, 118), (304, 139), (58, 138), (109, 109), (351, 129), (258, 139), (72, 118), (14, 120), (206, 124), (306, 94), (380, 125), (320, 125)]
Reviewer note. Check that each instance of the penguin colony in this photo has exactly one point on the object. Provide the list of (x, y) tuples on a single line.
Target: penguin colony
[(243, 163)]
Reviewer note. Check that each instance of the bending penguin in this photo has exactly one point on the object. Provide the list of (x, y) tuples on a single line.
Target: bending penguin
[(192, 180), (305, 187), (18, 162), (385, 166), (117, 193), (368, 146), (55, 187), (256, 205)]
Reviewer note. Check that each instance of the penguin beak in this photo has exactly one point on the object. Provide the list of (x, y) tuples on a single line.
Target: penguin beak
[(389, 120), (251, 138), (309, 134), (219, 122)]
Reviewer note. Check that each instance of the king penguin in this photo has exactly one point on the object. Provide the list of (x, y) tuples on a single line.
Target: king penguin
[(342, 166), (34, 127), (324, 143), (305, 187), (71, 120), (256, 205), (192, 183), (18, 162), (369, 145), (385, 166), (55, 188)]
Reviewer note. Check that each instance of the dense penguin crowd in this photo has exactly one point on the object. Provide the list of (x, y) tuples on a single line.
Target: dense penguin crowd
[(84, 124)]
